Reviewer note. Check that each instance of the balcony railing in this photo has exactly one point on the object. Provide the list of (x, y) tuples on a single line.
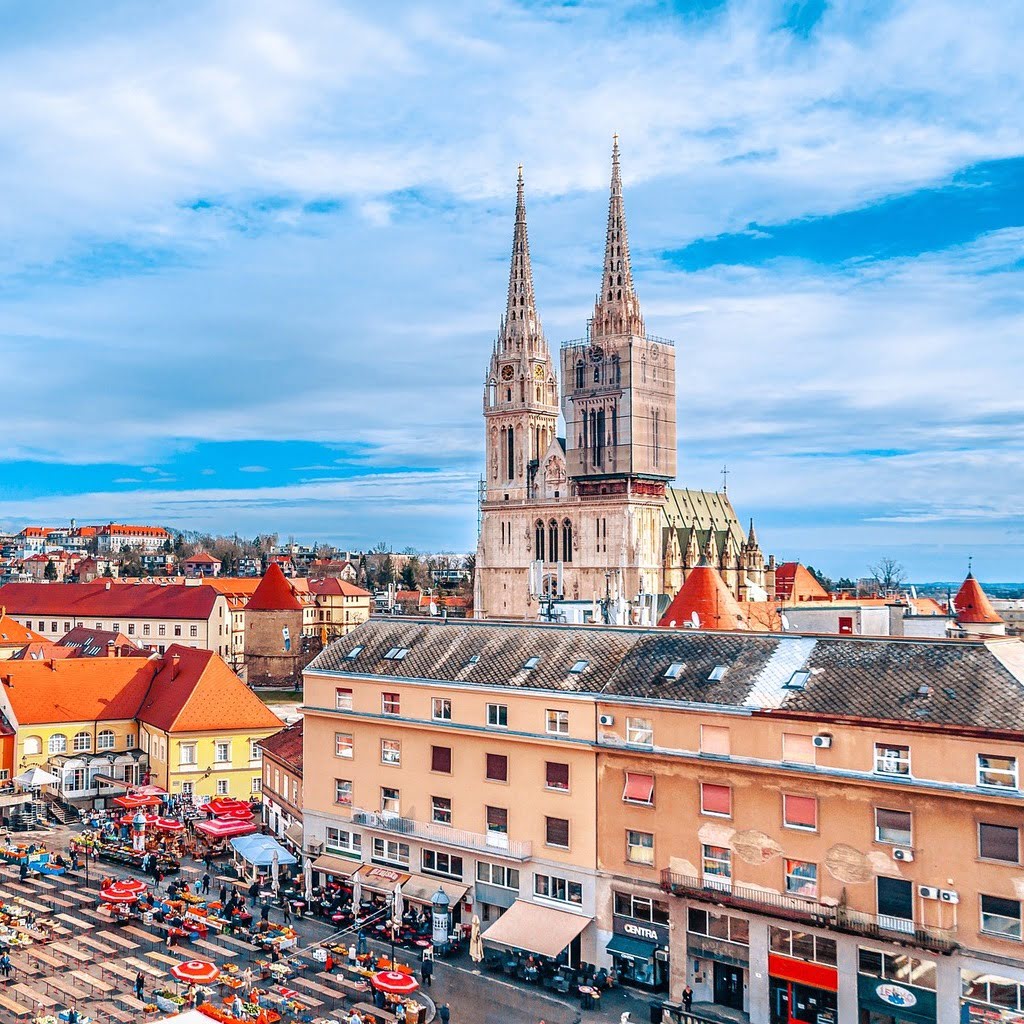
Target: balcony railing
[(821, 915), (495, 843)]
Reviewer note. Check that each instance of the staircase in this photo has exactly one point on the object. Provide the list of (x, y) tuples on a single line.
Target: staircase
[(62, 812)]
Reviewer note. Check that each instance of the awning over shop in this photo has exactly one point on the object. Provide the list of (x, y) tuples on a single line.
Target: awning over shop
[(261, 850), (293, 833), (421, 889), (380, 879), (337, 866), (630, 948), (535, 929)]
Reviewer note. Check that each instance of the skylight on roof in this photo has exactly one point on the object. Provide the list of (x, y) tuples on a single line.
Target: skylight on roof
[(474, 658), (396, 654), (798, 680), (579, 667), (531, 663), (354, 653), (675, 670), (718, 673)]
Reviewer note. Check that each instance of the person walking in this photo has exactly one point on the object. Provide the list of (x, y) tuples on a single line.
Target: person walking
[(444, 1013), (687, 998), (427, 968), (286, 910), (140, 985), (223, 894), (254, 891), (5, 965), (265, 912), (206, 884)]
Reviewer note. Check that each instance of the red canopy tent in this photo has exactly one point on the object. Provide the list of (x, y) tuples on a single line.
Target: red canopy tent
[(226, 805), (149, 819), (225, 828), (168, 825), (133, 803)]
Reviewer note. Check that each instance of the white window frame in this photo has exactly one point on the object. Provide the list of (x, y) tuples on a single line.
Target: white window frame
[(892, 759), (640, 732), (390, 751), (637, 840), (102, 738), (441, 709), (222, 752), (556, 722), (495, 712), (1011, 773), (187, 754), (344, 745)]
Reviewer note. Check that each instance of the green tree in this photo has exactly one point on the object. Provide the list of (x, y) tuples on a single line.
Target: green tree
[(824, 580), (50, 572)]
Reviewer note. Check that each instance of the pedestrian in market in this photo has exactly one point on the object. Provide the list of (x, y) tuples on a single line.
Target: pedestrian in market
[(223, 894), (427, 968), (287, 912), (208, 861), (140, 985), (5, 965), (254, 891), (206, 884), (265, 912), (444, 1013)]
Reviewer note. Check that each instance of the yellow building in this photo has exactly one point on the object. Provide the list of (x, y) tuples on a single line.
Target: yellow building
[(183, 721)]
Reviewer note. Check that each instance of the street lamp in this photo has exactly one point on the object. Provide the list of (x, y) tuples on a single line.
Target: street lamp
[(440, 906)]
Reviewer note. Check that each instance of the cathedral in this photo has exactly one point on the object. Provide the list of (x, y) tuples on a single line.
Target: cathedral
[(588, 527)]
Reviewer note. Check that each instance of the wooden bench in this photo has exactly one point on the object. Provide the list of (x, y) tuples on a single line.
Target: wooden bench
[(352, 987), (138, 933), (16, 1008), (75, 922), (224, 954), (38, 883), (331, 993), (373, 1011), (130, 1001), (58, 902), (118, 940), (34, 997), (118, 971), (95, 915), (44, 958), (111, 1011), (239, 943), (71, 953), (61, 984), (100, 947), (94, 983), (141, 965)]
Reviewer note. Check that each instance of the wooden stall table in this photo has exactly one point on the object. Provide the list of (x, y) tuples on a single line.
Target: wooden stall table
[(63, 985), (373, 1011), (118, 971), (51, 961), (115, 1014), (100, 947), (71, 953), (92, 982), (15, 1008), (35, 997)]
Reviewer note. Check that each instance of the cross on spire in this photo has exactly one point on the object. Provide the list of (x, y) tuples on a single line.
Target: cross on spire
[(521, 324), (725, 483), (617, 309)]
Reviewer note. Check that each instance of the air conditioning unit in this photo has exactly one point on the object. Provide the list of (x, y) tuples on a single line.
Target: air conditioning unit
[(607, 719), (314, 848), (902, 853), (928, 892), (949, 896), (824, 740)]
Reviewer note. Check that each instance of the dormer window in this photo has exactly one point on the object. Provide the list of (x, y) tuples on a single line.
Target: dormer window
[(579, 668), (354, 653), (396, 654), (798, 680)]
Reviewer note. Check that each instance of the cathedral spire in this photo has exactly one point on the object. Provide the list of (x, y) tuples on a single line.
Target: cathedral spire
[(617, 309), (521, 324)]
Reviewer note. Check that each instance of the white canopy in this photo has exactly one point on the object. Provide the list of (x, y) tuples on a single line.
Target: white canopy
[(36, 777)]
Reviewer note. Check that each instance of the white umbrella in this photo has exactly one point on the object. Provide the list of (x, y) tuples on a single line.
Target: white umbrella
[(476, 942), (307, 878), (36, 777), (397, 906), (275, 868), (357, 894)]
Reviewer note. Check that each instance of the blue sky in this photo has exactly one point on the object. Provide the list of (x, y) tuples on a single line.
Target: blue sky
[(252, 258)]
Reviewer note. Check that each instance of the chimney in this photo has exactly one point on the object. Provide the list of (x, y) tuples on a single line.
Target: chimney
[(111, 651), (53, 664), (107, 585), (175, 662)]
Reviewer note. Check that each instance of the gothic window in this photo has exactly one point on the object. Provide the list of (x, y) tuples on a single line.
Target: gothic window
[(508, 394), (643, 370), (579, 374), (510, 452), (618, 369), (492, 393), (656, 431), (539, 393), (538, 540), (552, 541), (599, 439), (597, 374), (503, 533), (567, 541)]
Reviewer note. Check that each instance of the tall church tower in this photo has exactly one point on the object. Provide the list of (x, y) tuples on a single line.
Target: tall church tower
[(520, 393), (619, 384)]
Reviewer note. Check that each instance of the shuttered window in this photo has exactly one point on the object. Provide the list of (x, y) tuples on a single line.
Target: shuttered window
[(556, 832), (998, 842), (557, 776), (497, 768), (639, 788), (715, 799), (441, 760), (799, 811)]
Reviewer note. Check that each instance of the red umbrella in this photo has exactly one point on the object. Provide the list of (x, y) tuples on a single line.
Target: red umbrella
[(149, 819), (240, 814), (113, 895), (133, 803), (222, 805), (130, 885), (168, 825), (196, 972), (225, 828), (395, 983)]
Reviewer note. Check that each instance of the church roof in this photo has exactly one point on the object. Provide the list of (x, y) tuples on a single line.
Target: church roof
[(972, 604), (274, 593), (705, 595), (706, 512), (794, 583)]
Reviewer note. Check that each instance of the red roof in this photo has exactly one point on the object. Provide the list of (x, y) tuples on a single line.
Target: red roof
[(286, 746), (203, 556), (972, 604), (794, 583), (339, 587), (200, 694), (13, 633), (102, 598), (117, 529), (274, 593), (705, 594)]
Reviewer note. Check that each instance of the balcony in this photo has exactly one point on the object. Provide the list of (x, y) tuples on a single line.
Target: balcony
[(497, 844), (819, 915)]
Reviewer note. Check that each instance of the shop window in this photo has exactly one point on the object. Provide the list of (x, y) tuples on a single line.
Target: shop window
[(802, 879), (640, 908), (639, 788), (556, 832), (441, 760), (552, 887), (891, 759), (718, 926), (497, 768), (899, 968), (437, 862), (800, 812), (715, 799), (802, 945), (991, 990), (893, 827), (342, 841), (1000, 917), (998, 842), (390, 851), (497, 874)]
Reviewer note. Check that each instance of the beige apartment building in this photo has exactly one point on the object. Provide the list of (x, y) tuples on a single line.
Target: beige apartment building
[(802, 828), (149, 614), (340, 605)]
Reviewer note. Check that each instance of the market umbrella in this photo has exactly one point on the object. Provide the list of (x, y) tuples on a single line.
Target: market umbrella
[(147, 819), (307, 879), (476, 942), (397, 906), (196, 972), (225, 828), (394, 983), (36, 777), (133, 803), (357, 893), (224, 805), (275, 870), (168, 825), (130, 885), (113, 895)]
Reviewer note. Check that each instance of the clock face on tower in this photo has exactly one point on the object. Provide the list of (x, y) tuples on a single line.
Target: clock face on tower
[(507, 373), (538, 372)]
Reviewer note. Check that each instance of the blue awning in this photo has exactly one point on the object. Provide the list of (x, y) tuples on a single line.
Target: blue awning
[(260, 850), (633, 949)]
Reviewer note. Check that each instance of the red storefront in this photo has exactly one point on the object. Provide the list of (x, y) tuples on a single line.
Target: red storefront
[(801, 992)]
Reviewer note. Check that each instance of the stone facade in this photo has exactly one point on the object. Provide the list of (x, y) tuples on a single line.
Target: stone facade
[(590, 517), (266, 658)]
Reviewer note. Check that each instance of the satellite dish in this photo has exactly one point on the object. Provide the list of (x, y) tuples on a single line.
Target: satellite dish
[(672, 624), (785, 621), (695, 620)]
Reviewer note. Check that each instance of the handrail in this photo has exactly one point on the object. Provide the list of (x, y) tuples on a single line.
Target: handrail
[(497, 843)]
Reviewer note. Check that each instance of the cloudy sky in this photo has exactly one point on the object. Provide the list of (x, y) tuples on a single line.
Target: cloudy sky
[(253, 256)]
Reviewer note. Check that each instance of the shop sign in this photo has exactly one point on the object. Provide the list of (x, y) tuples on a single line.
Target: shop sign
[(978, 1013), (896, 995), (904, 1002), (645, 930)]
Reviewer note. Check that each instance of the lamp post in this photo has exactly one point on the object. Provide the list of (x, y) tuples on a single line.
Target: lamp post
[(440, 906)]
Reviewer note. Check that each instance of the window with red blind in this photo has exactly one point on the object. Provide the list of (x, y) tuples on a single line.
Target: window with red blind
[(557, 776), (441, 759), (639, 788), (556, 832), (715, 799), (800, 811), (497, 768)]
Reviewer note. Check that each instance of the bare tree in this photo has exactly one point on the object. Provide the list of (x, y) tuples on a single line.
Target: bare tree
[(888, 574)]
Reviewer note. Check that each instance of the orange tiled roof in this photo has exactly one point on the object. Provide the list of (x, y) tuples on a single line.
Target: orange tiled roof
[(794, 583), (119, 529), (14, 634), (972, 604), (341, 588), (705, 595), (201, 694), (274, 593), (202, 556)]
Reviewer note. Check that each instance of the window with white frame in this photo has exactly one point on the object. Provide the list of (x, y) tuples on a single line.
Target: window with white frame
[(441, 810), (1000, 917), (343, 698), (105, 739), (341, 840), (58, 743), (801, 945), (639, 847), (497, 874), (437, 862), (895, 827), (343, 744), (255, 751), (187, 753), (553, 887), (223, 787), (222, 752), (997, 771), (343, 792), (717, 866), (391, 703), (391, 752), (801, 878), (441, 709), (497, 716), (983, 989), (557, 721), (390, 800), (892, 759), (257, 784), (391, 851), (640, 731), (897, 967), (82, 741)]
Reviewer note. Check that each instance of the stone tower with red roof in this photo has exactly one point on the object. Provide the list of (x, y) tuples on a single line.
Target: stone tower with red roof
[(273, 632)]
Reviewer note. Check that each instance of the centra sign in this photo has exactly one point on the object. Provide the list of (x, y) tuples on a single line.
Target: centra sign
[(640, 931)]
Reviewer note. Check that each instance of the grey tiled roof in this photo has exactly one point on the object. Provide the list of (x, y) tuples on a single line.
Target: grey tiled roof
[(968, 683)]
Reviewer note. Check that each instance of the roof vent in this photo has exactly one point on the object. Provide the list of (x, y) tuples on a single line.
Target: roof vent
[(924, 690), (473, 659)]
